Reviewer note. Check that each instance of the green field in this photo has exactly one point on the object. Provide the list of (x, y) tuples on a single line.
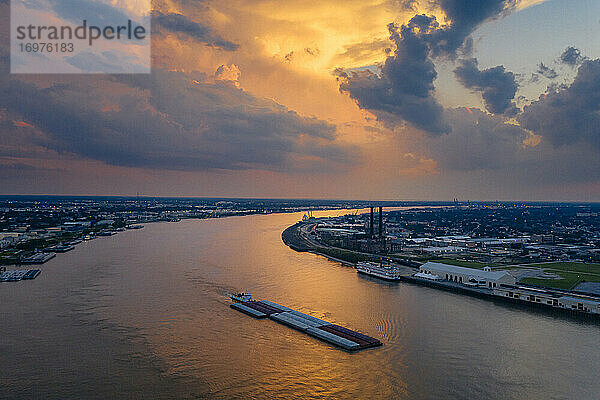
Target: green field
[(572, 274), (568, 282), (569, 267)]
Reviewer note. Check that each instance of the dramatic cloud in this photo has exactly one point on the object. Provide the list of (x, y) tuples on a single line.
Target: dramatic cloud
[(228, 73), (173, 121), (497, 86), (478, 141), (569, 114), (180, 24), (464, 17), (197, 132), (547, 72), (403, 91), (484, 145), (571, 56)]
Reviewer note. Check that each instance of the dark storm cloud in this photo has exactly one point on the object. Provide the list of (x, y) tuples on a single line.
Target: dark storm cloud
[(546, 71), (464, 17), (568, 114), (178, 23), (497, 86), (165, 121), (571, 56), (403, 88), (403, 91), (484, 143)]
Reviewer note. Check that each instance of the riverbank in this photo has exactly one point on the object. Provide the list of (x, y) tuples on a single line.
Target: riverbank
[(489, 294), (293, 238)]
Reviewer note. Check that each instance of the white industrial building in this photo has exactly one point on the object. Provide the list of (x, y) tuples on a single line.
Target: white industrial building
[(574, 302), (468, 276), (504, 284), (437, 250)]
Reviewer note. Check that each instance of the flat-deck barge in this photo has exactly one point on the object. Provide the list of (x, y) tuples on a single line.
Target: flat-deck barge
[(38, 258), (17, 275), (323, 330)]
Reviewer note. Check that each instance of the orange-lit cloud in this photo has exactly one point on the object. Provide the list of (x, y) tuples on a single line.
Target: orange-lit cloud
[(229, 73), (288, 52), (22, 124), (111, 107)]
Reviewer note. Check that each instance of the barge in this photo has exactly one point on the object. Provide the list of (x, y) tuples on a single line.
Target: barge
[(38, 258), (17, 275), (315, 327), (59, 249)]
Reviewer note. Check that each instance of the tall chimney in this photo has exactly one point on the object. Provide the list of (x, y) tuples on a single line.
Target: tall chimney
[(371, 230), (380, 222)]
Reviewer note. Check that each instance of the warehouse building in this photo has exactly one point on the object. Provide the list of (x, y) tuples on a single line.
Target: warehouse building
[(468, 276)]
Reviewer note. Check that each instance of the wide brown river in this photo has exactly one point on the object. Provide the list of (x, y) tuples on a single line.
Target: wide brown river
[(143, 315)]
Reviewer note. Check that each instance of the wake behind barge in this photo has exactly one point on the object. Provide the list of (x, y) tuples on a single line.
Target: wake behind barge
[(323, 330)]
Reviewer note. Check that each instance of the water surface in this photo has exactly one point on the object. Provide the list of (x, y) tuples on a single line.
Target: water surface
[(144, 315)]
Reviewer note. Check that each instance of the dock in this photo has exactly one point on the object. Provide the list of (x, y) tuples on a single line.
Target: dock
[(318, 328)]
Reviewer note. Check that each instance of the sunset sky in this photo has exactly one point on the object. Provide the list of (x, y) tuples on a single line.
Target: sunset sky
[(360, 99)]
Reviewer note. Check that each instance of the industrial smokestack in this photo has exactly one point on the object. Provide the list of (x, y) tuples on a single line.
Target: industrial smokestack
[(380, 222), (371, 229)]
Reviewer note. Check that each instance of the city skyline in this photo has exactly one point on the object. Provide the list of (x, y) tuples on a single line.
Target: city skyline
[(381, 100)]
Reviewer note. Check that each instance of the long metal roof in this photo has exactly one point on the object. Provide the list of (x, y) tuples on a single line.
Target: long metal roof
[(453, 269)]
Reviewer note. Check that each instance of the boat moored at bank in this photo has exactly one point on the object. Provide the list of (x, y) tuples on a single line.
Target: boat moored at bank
[(380, 270)]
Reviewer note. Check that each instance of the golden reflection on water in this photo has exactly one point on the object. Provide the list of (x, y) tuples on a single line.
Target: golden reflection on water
[(177, 297)]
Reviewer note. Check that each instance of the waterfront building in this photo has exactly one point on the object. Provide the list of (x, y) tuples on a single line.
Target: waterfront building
[(468, 276), (555, 298), (502, 284), (440, 250)]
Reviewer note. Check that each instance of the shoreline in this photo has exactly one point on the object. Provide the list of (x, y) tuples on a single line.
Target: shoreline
[(292, 238)]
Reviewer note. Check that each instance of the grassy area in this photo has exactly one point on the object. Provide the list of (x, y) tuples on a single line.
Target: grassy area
[(567, 283), (571, 273), (464, 263), (569, 267), (345, 255), (568, 280)]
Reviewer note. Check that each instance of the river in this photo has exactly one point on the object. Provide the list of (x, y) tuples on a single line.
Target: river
[(143, 314)]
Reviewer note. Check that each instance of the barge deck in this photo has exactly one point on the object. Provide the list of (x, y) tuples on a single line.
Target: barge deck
[(315, 327)]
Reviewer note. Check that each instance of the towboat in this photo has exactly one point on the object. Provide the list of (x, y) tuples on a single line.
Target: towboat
[(241, 297)]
